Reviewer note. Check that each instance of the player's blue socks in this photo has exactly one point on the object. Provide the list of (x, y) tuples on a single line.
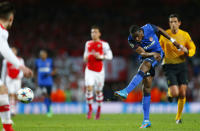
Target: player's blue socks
[(146, 105), (135, 81), (47, 102)]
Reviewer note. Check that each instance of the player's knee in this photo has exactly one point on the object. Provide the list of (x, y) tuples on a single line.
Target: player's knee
[(98, 92), (145, 67), (3, 90), (89, 88), (174, 93), (146, 89), (182, 94)]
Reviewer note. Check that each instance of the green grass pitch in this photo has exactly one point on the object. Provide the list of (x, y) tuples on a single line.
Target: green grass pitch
[(108, 122)]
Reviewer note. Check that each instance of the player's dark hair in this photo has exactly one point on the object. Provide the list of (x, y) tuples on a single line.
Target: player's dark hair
[(5, 9), (134, 28), (175, 15), (96, 27)]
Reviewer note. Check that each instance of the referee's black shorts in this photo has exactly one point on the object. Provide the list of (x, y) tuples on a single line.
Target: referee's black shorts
[(176, 74)]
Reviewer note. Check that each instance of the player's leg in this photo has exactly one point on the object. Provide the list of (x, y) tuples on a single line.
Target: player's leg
[(89, 100), (5, 109), (173, 91), (147, 82), (47, 101), (13, 87), (171, 75), (181, 102), (12, 104), (144, 68), (99, 94), (11, 90), (89, 83), (182, 81)]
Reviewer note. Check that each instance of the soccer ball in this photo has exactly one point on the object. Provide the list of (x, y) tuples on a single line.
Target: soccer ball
[(25, 95)]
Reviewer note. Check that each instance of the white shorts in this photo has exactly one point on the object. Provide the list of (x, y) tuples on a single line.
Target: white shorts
[(13, 85), (95, 79)]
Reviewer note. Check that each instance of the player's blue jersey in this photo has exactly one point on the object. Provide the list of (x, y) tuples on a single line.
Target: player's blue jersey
[(44, 69), (150, 42)]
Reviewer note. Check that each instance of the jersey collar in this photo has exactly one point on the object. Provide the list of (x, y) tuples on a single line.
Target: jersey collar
[(2, 27)]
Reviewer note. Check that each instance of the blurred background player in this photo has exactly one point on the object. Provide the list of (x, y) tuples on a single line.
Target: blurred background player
[(12, 77), (45, 72), (175, 66), (6, 20), (96, 50), (145, 42)]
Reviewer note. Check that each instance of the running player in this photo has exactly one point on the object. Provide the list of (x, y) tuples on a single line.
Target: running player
[(12, 77), (6, 20), (145, 42), (45, 72), (96, 50), (175, 66)]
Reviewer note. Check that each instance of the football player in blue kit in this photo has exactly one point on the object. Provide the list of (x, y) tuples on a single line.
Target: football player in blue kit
[(146, 44), (45, 72)]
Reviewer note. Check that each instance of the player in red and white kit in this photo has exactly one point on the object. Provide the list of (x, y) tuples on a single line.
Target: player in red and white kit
[(12, 77), (96, 50), (6, 20)]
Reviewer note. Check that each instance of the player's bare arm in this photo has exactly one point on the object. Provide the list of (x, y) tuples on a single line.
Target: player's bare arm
[(145, 54)]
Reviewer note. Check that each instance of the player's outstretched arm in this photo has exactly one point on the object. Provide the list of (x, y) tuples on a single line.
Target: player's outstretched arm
[(175, 43)]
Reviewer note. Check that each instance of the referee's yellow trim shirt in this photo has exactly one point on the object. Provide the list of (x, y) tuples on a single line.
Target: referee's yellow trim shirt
[(172, 55)]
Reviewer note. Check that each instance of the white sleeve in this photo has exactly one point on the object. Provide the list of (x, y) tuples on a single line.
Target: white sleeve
[(7, 52), (85, 55), (3, 71), (107, 51), (21, 74)]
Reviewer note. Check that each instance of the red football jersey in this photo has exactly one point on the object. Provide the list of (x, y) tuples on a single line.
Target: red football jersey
[(12, 71), (93, 63)]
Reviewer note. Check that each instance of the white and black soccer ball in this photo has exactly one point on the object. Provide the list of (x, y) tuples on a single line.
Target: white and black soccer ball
[(25, 95)]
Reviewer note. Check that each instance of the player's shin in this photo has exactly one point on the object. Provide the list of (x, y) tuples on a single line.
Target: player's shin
[(135, 81), (47, 102), (99, 100), (146, 105), (181, 103), (5, 113), (12, 104), (89, 100)]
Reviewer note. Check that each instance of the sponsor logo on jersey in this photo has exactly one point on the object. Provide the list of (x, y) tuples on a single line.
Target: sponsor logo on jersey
[(152, 43)]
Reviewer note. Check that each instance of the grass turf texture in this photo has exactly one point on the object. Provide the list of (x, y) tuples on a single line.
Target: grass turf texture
[(108, 122)]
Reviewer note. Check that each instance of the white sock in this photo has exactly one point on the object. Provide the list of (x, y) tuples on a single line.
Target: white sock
[(99, 98), (4, 109), (89, 97)]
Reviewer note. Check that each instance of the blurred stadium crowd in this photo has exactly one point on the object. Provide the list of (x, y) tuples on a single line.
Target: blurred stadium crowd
[(63, 27)]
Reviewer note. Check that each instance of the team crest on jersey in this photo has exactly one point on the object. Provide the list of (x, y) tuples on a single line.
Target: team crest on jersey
[(150, 38), (98, 45)]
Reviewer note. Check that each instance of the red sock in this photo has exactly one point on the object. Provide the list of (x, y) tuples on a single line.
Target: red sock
[(99, 109), (90, 107), (8, 127)]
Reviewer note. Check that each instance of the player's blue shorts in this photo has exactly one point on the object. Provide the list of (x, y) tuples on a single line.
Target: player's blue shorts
[(154, 63)]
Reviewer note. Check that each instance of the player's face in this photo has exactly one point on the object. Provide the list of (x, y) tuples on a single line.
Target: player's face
[(95, 34), (174, 23), (10, 20), (138, 36), (43, 54)]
